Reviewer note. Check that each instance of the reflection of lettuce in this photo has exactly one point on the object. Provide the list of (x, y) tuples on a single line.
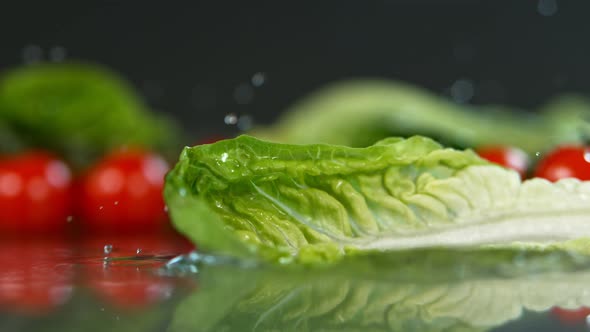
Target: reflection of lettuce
[(444, 291), (77, 110), (359, 113), (317, 202)]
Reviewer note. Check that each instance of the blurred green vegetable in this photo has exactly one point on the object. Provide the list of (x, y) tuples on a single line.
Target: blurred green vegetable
[(359, 113), (80, 111)]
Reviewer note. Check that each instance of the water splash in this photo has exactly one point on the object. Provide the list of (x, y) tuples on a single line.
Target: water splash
[(192, 262), (108, 248)]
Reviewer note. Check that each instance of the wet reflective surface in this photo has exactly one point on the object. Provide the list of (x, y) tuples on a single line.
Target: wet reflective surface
[(103, 283)]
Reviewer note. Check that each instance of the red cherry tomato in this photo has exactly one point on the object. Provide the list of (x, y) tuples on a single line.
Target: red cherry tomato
[(509, 157), (571, 316), (35, 193), (123, 192), (568, 161), (37, 274)]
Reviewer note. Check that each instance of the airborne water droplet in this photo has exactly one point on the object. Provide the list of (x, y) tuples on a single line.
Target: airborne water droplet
[(57, 54), (547, 7), (108, 248), (258, 79), (462, 90), (245, 122), (138, 251), (231, 119), (32, 54)]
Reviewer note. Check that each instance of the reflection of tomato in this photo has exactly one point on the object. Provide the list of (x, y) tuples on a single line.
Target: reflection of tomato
[(509, 157), (36, 275), (571, 316), (123, 192), (35, 193), (126, 287), (131, 283)]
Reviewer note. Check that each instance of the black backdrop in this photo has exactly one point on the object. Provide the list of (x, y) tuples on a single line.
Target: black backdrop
[(197, 60)]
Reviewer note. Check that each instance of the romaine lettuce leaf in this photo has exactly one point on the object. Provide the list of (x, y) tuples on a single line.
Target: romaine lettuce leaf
[(78, 110), (358, 113), (440, 290), (318, 203)]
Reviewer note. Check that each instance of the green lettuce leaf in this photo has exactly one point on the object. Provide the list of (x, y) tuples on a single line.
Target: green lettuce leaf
[(78, 110), (418, 290), (358, 113), (318, 203)]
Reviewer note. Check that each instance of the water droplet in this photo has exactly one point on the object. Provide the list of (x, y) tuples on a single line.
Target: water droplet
[(587, 156), (57, 54), (165, 208), (243, 93), (231, 119), (462, 90), (547, 7), (101, 207), (32, 54), (108, 248), (537, 154), (245, 122), (116, 203), (182, 192), (138, 251), (69, 218), (224, 157), (258, 79)]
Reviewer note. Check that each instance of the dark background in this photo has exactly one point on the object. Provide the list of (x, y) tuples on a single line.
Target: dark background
[(197, 59)]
